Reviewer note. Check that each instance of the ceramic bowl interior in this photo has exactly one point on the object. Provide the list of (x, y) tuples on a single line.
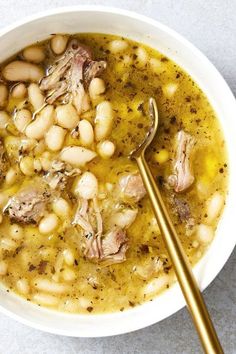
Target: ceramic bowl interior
[(154, 34)]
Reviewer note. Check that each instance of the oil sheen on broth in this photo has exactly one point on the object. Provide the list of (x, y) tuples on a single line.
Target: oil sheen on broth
[(77, 231)]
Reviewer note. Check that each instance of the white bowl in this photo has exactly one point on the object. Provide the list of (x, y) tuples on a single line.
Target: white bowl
[(154, 34)]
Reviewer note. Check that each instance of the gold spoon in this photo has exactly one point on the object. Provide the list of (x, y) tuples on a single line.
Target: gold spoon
[(188, 284)]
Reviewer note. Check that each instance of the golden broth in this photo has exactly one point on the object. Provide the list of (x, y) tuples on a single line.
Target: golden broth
[(132, 76)]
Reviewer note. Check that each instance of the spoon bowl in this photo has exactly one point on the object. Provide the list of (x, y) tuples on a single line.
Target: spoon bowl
[(153, 112)]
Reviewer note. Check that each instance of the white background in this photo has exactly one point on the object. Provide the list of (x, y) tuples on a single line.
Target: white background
[(211, 26)]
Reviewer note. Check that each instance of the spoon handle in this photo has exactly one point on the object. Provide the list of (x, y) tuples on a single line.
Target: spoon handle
[(188, 284)]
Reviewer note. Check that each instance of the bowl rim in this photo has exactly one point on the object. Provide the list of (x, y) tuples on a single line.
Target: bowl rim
[(181, 303)]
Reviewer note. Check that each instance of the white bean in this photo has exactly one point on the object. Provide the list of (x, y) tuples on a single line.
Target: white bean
[(59, 43), (8, 244), (37, 165), (118, 45), (156, 285), (3, 267), (35, 54), (19, 91), (36, 98), (27, 165), (70, 305), (47, 157), (77, 155), (195, 243), (4, 119), (202, 189), (170, 89), (109, 187), (103, 120), (82, 105), (205, 233), (22, 71), (96, 87), (25, 257), (55, 137), (214, 206), (61, 207), (142, 56), (47, 252), (156, 65), (84, 302), (23, 286), (68, 257), (45, 161), (66, 116), (124, 218), (11, 176), (86, 186), (58, 265), (16, 231), (3, 95), (68, 274), (127, 60), (106, 149), (45, 299), (48, 224), (41, 124), (86, 132), (49, 286), (22, 118)]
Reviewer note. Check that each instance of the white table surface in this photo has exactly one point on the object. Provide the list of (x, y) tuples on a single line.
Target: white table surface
[(211, 26)]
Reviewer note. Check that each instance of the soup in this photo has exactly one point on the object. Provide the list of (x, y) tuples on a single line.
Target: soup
[(77, 231)]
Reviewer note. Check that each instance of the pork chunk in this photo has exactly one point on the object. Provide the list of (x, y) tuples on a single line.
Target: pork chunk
[(28, 206), (69, 77), (132, 187), (182, 177), (59, 174), (112, 247), (118, 257), (112, 242)]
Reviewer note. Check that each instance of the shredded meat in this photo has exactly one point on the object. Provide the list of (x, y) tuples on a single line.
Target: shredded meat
[(4, 163), (57, 176), (114, 245), (132, 187), (149, 268), (83, 219), (113, 241), (69, 77), (28, 206), (182, 177), (118, 257), (110, 247)]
